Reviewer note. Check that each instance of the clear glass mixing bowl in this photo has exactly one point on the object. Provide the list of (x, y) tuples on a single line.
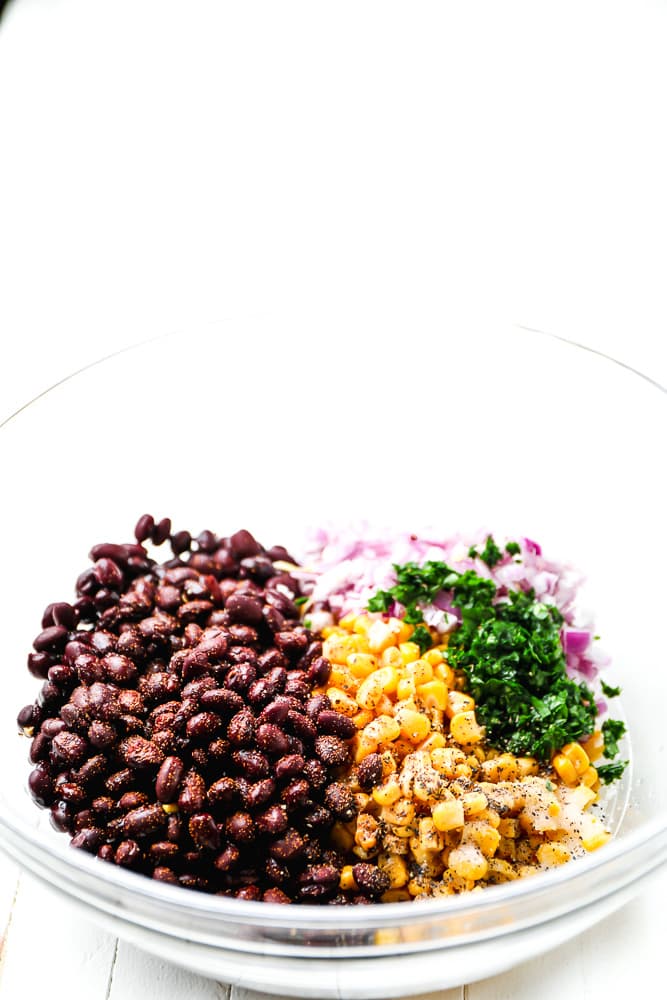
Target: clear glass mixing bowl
[(448, 425)]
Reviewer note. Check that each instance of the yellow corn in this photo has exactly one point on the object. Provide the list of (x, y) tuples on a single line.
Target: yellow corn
[(409, 652), (448, 815), (433, 694), (413, 725), (463, 728), (395, 867), (361, 664), (550, 854), (468, 862), (565, 769), (457, 702), (347, 880), (342, 702), (577, 756), (388, 792)]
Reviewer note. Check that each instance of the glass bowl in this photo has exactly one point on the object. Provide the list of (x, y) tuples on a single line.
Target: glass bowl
[(451, 425)]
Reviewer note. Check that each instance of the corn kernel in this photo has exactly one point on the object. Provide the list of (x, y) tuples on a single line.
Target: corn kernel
[(483, 836), (565, 769), (342, 701), (366, 834), (593, 833), (406, 688), (347, 879), (365, 746), (421, 671), (390, 935), (409, 652), (363, 717), (383, 729), (432, 656), (445, 759), (577, 756), (464, 727), (594, 746), (509, 827), (380, 635), (551, 854), (341, 677), (396, 868), (337, 648), (370, 691), (590, 777), (468, 862), (433, 694), (448, 815), (362, 623), (404, 632), (390, 657), (347, 621), (434, 741), (445, 673), (361, 664), (388, 792), (457, 702), (399, 813), (430, 838), (413, 725), (473, 802)]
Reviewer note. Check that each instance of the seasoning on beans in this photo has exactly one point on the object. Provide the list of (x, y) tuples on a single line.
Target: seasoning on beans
[(175, 733)]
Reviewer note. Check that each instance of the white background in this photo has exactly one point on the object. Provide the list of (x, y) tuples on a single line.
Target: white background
[(168, 162)]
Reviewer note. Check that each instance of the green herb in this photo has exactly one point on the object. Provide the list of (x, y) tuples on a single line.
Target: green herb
[(609, 691), (307, 622), (513, 548), (611, 772), (422, 637), (510, 653), (612, 731), (490, 554), (300, 600), (549, 785)]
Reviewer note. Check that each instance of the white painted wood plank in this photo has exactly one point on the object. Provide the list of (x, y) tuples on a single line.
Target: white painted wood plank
[(140, 976), (621, 957), (47, 936)]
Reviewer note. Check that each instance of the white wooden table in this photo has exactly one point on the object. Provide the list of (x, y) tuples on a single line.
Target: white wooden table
[(163, 162)]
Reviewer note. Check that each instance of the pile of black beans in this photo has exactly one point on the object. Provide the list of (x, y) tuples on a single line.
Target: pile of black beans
[(176, 733)]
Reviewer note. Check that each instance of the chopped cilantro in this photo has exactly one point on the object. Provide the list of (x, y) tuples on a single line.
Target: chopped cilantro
[(612, 731), (490, 554), (381, 601), (549, 785), (422, 637), (307, 622), (300, 600), (611, 772), (510, 653), (609, 691), (513, 548)]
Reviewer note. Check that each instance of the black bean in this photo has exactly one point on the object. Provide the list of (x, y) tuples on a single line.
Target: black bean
[(272, 739), (244, 609), (369, 771), (128, 853), (51, 640), (88, 839), (168, 779), (204, 832), (372, 881), (335, 724), (240, 828), (144, 820), (332, 751), (340, 800)]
